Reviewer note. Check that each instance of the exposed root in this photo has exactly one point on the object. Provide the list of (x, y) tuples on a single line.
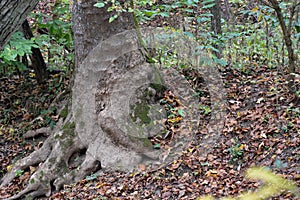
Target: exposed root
[(34, 158), (32, 191), (89, 165), (45, 131), (56, 166)]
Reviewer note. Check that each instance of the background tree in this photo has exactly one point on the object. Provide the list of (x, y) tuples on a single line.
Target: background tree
[(12, 15), (36, 57), (216, 24), (287, 34)]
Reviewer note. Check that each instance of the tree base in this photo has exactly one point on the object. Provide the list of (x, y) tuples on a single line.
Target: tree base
[(99, 132)]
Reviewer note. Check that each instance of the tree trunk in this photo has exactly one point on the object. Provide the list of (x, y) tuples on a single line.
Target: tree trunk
[(88, 35), (37, 60), (12, 15), (87, 137), (216, 25), (286, 35), (114, 91), (287, 32)]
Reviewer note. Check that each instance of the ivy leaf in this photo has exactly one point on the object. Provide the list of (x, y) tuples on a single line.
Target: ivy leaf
[(156, 146), (181, 112), (111, 19), (297, 28), (99, 5), (164, 14), (279, 164), (149, 13), (208, 4)]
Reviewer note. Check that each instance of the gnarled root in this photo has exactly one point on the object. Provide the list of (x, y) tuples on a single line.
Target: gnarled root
[(34, 158), (58, 159)]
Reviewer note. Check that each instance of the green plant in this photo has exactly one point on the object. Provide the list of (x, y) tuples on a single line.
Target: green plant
[(17, 47), (91, 177), (19, 172), (205, 109), (236, 152), (57, 42), (147, 10), (266, 118), (48, 115), (188, 9), (294, 111)]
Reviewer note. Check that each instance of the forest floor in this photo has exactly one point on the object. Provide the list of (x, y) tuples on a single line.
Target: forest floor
[(262, 128)]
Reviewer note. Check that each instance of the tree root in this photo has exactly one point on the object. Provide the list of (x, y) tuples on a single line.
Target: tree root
[(56, 166), (45, 131), (34, 158)]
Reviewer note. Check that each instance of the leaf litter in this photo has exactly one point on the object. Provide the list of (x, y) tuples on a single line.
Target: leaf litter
[(262, 129)]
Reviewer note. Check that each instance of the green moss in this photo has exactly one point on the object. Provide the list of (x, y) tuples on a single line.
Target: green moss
[(32, 181), (146, 142), (159, 88), (68, 143), (41, 174), (69, 129), (67, 135), (73, 173), (56, 136), (64, 112), (52, 160), (141, 111), (78, 111), (81, 124), (72, 125), (143, 141), (158, 77), (63, 167), (144, 106)]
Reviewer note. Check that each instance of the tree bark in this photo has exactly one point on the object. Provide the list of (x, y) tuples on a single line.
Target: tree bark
[(216, 25), (37, 60), (91, 25), (85, 133), (12, 15), (286, 30)]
